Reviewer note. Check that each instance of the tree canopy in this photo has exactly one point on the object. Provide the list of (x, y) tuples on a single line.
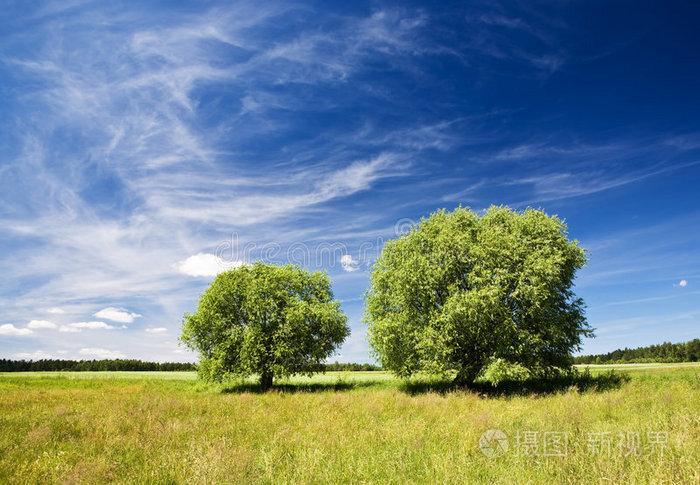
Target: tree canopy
[(266, 320), (460, 291)]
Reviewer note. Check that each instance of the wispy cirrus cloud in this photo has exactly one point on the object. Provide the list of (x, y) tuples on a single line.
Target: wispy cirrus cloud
[(154, 183), (520, 38), (556, 171)]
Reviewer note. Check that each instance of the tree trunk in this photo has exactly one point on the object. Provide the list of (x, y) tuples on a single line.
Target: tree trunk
[(266, 380), (467, 375)]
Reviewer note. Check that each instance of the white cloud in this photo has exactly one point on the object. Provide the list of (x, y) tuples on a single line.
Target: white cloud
[(39, 354), (358, 176), (116, 315), (348, 263), (683, 283), (41, 324), (78, 326), (101, 353), (201, 199), (10, 329), (204, 264), (55, 310), (156, 330), (91, 325), (249, 104)]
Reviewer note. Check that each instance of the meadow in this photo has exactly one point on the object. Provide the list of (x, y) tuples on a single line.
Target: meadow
[(638, 424)]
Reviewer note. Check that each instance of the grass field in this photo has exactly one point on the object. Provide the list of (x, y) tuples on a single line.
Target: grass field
[(639, 425)]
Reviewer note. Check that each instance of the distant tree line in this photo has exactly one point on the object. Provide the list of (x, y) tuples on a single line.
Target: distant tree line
[(7, 365), (336, 366), (666, 352)]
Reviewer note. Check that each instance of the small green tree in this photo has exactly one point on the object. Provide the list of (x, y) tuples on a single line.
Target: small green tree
[(692, 350), (460, 291), (268, 320)]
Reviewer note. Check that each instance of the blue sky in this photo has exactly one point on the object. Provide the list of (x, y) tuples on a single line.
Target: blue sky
[(143, 148)]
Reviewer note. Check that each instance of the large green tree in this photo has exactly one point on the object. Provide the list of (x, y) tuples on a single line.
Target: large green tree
[(268, 320), (460, 291)]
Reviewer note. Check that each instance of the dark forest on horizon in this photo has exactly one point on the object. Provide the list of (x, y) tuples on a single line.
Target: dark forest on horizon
[(666, 352), (44, 365)]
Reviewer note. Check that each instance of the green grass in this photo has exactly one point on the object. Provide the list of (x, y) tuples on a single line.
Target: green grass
[(359, 427)]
